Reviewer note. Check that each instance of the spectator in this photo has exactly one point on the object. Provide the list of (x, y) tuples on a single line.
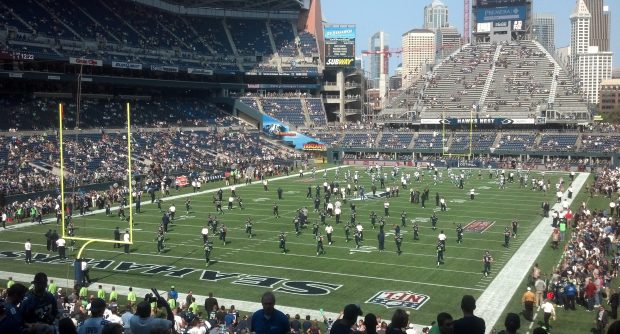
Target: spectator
[(400, 321), (347, 319), (39, 306), (469, 323), (125, 317), (94, 324), (112, 328), (601, 320), (512, 324), (370, 320), (268, 320), (143, 323), (65, 326), (210, 302)]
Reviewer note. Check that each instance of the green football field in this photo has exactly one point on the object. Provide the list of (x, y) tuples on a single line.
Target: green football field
[(244, 268)]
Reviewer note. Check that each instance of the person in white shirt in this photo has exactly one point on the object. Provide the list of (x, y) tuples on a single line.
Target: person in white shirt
[(549, 311), (126, 239), (205, 234), (442, 239), (28, 249), (386, 208), (472, 194), (329, 230), (3, 219), (173, 210), (113, 316), (61, 243)]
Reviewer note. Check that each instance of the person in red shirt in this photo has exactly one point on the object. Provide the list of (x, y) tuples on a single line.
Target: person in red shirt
[(590, 290)]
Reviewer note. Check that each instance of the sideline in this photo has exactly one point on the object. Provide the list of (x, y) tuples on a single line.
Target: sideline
[(492, 302)]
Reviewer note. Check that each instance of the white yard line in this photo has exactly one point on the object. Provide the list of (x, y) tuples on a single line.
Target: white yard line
[(493, 301)]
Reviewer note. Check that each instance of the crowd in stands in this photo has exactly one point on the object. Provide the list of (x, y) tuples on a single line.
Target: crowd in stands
[(84, 310), (62, 29), (40, 113)]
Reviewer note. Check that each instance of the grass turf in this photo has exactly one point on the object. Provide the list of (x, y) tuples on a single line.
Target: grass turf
[(359, 275)]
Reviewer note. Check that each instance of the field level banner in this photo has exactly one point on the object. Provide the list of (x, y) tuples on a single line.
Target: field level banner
[(275, 129)]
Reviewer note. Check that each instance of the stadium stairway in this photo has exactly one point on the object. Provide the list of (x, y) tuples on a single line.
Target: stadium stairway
[(378, 139), (231, 42), (57, 19), (412, 143), (489, 81), (498, 139), (304, 107)]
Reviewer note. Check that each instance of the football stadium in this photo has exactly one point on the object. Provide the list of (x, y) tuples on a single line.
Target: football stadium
[(180, 166)]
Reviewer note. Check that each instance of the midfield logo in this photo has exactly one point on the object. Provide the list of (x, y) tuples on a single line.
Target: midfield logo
[(406, 299)]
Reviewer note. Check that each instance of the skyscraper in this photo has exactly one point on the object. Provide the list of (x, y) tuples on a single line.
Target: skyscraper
[(435, 15), (599, 24), (590, 65), (448, 41), (543, 28), (418, 54), (377, 43)]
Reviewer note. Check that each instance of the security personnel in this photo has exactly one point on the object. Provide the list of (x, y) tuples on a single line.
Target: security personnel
[(487, 260), (506, 236), (319, 245), (329, 230), (416, 231), (403, 218), (282, 239), (399, 240), (275, 210), (208, 249), (434, 220), (459, 234), (440, 251), (248, 228)]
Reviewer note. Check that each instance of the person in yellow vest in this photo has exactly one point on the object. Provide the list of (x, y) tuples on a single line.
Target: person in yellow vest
[(131, 296), (193, 306), (113, 295), (173, 303), (52, 287), (101, 292), (83, 292), (10, 282)]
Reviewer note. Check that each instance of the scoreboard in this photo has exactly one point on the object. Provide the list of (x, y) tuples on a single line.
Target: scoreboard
[(339, 45)]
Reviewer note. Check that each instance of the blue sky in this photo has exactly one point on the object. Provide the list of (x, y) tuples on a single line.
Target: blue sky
[(395, 17)]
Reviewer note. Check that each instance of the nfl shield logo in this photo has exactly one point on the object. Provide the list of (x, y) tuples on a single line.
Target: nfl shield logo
[(406, 299)]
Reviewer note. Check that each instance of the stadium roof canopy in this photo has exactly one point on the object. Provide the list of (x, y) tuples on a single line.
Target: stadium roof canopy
[(269, 5)]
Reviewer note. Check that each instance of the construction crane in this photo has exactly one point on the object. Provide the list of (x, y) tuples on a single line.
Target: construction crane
[(386, 54)]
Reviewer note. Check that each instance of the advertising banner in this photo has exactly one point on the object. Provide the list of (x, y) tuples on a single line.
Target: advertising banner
[(171, 69), (492, 14), (84, 61), (274, 128), (131, 66), (200, 71)]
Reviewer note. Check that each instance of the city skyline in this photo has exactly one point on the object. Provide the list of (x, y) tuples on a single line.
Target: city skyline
[(394, 21)]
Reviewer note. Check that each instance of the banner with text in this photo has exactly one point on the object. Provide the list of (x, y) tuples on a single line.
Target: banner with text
[(131, 66), (160, 68), (84, 61)]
